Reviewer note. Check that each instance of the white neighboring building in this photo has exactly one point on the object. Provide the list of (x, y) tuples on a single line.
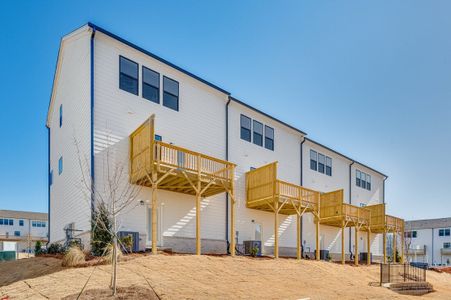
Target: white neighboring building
[(429, 241), (105, 87), (20, 230)]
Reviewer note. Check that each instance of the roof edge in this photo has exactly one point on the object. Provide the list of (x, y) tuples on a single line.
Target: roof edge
[(266, 115), (345, 156)]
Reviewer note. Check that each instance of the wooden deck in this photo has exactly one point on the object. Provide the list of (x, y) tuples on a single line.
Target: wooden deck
[(268, 193), (386, 224), (163, 166), (334, 212)]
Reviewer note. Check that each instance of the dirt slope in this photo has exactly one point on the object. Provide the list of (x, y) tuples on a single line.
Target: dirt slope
[(209, 277)]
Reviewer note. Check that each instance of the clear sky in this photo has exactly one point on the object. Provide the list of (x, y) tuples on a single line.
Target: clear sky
[(371, 79)]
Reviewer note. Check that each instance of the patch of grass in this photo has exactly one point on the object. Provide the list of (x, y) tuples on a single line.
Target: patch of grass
[(74, 257)]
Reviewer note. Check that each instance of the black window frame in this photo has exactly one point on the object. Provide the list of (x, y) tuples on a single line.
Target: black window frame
[(269, 141), (414, 234), (16, 233), (328, 167), (358, 176), (313, 162), (171, 94), (321, 166), (257, 137), (128, 76), (447, 232), (143, 84), (247, 130), (21, 223)]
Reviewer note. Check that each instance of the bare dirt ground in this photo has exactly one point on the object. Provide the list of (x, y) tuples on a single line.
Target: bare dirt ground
[(203, 277)]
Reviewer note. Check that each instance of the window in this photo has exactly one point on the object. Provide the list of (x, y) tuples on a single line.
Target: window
[(269, 138), (128, 75), (158, 138), (410, 234), (245, 128), (20, 222), (16, 233), (51, 177), (38, 223), (328, 166), (447, 245), (170, 93), (362, 180), (444, 232), (7, 222), (258, 133), (321, 162), (313, 160), (150, 85), (61, 115), (60, 165), (11, 223)]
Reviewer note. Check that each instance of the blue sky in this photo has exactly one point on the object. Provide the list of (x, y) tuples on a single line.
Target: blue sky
[(371, 79)]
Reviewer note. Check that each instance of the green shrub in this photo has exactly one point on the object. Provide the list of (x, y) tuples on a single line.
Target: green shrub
[(55, 248), (38, 248), (254, 251), (100, 230)]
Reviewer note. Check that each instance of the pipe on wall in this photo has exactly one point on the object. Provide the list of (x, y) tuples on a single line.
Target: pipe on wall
[(227, 158), (350, 200), (92, 118), (301, 183)]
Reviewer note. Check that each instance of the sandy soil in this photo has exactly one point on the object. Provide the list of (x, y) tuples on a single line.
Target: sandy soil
[(206, 277)]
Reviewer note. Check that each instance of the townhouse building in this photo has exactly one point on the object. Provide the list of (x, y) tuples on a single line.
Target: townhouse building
[(429, 241), (20, 230), (204, 145)]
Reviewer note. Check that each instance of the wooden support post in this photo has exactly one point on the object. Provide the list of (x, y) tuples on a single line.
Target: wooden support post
[(368, 246), (402, 246), (232, 213), (343, 258), (384, 244), (394, 247), (298, 245), (154, 216), (276, 228), (197, 223), (317, 240), (356, 246)]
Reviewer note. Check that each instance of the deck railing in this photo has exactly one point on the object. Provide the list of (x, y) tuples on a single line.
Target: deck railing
[(177, 157), (308, 197), (146, 154), (394, 273)]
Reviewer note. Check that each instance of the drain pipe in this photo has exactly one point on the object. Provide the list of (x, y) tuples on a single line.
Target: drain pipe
[(302, 182), (227, 159), (350, 200), (383, 189)]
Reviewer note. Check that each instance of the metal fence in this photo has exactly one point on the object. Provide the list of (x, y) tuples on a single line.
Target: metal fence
[(393, 273)]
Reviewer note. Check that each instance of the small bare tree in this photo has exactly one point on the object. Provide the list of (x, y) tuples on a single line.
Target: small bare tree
[(115, 195), (407, 239)]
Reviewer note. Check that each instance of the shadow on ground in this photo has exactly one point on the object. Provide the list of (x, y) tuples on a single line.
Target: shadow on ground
[(131, 292), (12, 271)]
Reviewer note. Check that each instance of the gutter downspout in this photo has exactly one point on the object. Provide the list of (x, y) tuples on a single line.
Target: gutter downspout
[(350, 200), (432, 262), (92, 120), (48, 185), (227, 158), (302, 182), (383, 191)]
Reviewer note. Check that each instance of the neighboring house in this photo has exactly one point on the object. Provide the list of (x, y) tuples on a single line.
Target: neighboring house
[(429, 241), (20, 230), (105, 87)]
